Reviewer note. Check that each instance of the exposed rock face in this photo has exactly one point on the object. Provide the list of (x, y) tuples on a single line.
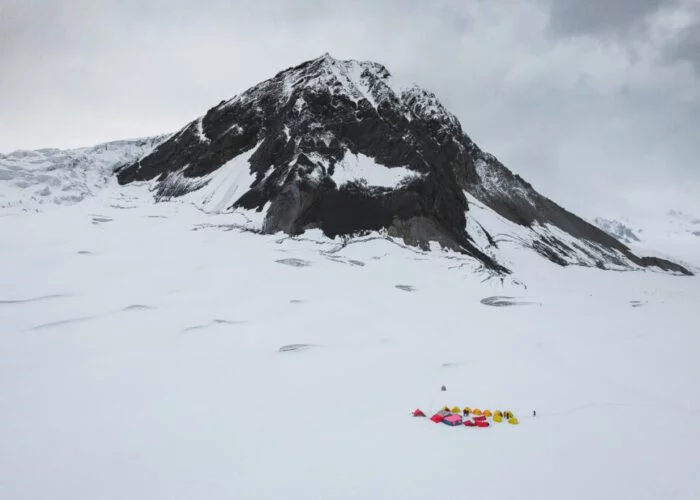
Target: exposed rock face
[(337, 145)]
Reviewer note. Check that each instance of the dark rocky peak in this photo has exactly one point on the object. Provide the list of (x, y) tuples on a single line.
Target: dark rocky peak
[(341, 146)]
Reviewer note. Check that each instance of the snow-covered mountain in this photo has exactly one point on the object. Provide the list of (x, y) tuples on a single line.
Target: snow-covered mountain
[(32, 179), (166, 351), (341, 146), (617, 229), (335, 145), (667, 234), (683, 223)]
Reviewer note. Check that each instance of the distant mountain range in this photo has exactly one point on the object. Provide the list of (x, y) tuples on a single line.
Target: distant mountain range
[(617, 229)]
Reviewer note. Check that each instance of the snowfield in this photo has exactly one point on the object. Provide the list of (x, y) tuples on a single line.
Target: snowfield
[(155, 351), (363, 168)]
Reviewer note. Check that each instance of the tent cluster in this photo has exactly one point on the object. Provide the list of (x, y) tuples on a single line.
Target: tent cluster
[(469, 417)]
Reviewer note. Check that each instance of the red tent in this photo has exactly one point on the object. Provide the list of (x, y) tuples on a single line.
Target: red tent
[(480, 418), (418, 413), (482, 423), (453, 420), (437, 418), (469, 423)]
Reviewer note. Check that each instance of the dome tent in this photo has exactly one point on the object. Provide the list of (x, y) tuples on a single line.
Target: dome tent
[(437, 418), (452, 420)]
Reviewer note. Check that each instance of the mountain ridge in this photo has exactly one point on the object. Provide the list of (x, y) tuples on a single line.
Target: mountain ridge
[(298, 129), (344, 147)]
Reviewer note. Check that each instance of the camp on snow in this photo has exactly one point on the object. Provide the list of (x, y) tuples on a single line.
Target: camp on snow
[(457, 416)]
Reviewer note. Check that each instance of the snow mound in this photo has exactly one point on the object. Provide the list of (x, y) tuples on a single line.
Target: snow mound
[(363, 168)]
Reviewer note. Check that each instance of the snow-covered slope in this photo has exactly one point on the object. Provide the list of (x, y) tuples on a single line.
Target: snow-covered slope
[(155, 351), (30, 180)]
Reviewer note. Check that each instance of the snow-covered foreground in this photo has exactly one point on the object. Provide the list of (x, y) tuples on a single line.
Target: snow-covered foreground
[(144, 354)]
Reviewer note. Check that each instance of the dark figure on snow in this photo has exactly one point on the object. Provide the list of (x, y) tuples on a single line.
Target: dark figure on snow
[(443, 388), (534, 413)]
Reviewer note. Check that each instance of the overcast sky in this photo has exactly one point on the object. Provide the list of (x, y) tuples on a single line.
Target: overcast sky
[(595, 102)]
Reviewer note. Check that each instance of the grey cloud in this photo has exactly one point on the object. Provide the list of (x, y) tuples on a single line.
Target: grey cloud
[(685, 47), (602, 17)]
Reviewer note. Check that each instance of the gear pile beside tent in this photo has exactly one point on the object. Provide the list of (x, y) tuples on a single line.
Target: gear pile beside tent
[(469, 417)]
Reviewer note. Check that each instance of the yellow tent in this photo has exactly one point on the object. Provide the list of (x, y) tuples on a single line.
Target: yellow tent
[(476, 411), (498, 413), (513, 421), (445, 408), (498, 418), (456, 409), (487, 413), (467, 410)]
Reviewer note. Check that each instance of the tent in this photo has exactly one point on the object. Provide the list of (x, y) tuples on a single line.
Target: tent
[(498, 413), (498, 418), (480, 418), (452, 420), (513, 421), (445, 413), (467, 410), (482, 423), (456, 409), (418, 413), (476, 411), (487, 413), (437, 418), (469, 423), (445, 408)]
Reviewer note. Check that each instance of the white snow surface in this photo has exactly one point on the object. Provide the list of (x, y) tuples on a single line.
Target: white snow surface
[(145, 354), (361, 167)]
